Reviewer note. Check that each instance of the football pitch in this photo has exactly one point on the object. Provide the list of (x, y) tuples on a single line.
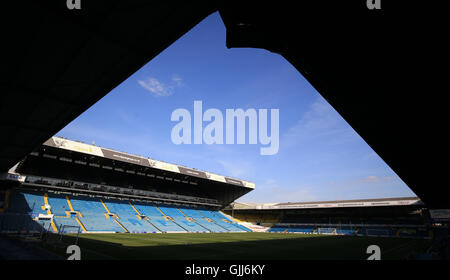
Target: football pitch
[(239, 246)]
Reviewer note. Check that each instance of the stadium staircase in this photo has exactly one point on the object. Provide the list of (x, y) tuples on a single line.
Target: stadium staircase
[(205, 229), (77, 214), (94, 217), (151, 228), (49, 212), (194, 214), (237, 223), (220, 220), (63, 213), (181, 220), (113, 216), (209, 218), (158, 218), (126, 216)]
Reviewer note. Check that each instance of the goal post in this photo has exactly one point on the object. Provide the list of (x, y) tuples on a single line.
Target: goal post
[(64, 229), (327, 230)]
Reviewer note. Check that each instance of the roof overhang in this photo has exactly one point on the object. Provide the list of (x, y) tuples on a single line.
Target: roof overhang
[(62, 144), (401, 201)]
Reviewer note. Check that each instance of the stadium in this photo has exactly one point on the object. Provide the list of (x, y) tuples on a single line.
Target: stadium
[(75, 190), (115, 205)]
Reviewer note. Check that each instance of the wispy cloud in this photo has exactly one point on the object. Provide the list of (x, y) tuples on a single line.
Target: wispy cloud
[(235, 169), (177, 80), (375, 179), (159, 89), (155, 87), (370, 156), (320, 121)]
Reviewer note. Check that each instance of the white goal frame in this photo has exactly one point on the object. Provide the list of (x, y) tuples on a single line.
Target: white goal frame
[(327, 230), (62, 232)]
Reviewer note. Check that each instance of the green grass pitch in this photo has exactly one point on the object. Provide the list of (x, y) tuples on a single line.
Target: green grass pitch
[(239, 246)]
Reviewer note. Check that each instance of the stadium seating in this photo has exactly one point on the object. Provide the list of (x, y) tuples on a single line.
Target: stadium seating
[(65, 221), (58, 204), (296, 229), (157, 218), (220, 220), (26, 202), (278, 229), (200, 219), (236, 225), (93, 215), (301, 229), (127, 216), (411, 232), (346, 231), (377, 231), (312, 229), (181, 219), (72, 213), (255, 218), (23, 208), (28, 211)]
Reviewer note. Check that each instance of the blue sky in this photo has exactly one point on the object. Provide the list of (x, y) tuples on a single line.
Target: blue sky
[(320, 156)]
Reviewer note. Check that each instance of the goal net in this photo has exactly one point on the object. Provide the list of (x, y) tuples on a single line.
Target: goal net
[(74, 230), (326, 230)]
